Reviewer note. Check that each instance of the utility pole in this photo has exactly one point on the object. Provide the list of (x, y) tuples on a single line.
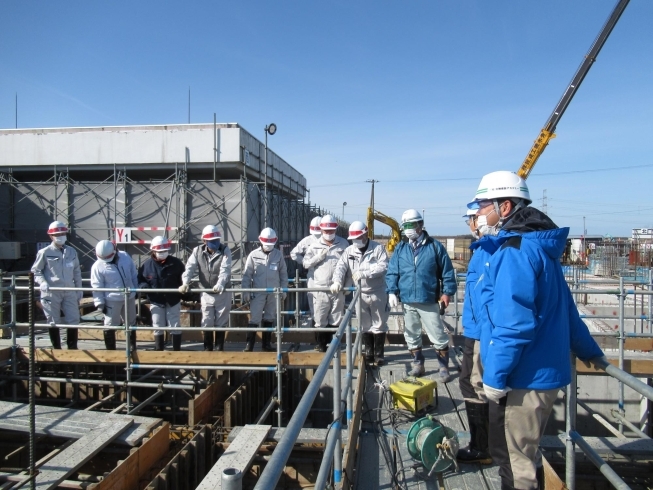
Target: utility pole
[(370, 221), (544, 203)]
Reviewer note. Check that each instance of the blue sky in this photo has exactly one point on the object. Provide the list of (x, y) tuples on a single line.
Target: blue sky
[(423, 96)]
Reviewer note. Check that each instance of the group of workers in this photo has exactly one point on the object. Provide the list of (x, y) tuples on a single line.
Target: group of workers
[(517, 306)]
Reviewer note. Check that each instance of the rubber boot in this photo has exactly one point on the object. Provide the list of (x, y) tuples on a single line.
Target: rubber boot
[(443, 361), (110, 339), (219, 341), (55, 338), (478, 416), (368, 342), (208, 340), (267, 338), (318, 342), (418, 363), (176, 341), (379, 346), (159, 342), (71, 339), (251, 338), (132, 341)]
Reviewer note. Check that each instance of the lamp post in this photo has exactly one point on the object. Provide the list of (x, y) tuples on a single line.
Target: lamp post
[(269, 129), (343, 210)]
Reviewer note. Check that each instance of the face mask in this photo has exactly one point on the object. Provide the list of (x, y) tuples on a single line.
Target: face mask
[(268, 247), (60, 240), (359, 243), (160, 255), (213, 244), (329, 237), (411, 234), (485, 229)]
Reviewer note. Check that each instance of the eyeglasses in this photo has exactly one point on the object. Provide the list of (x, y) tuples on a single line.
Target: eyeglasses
[(471, 220), (411, 225), (484, 204)]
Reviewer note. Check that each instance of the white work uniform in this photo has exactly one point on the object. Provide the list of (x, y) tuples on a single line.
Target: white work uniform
[(212, 269), (59, 267), (119, 273), (297, 254), (372, 264), (264, 270), (328, 308)]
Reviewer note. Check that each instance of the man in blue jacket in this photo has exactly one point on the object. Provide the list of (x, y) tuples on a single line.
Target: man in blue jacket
[(530, 324), (421, 273)]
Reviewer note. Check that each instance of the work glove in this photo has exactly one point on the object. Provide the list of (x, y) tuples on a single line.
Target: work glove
[(218, 288), (495, 394), (283, 296), (44, 287), (358, 275), (393, 301), (335, 288), (184, 288), (246, 295), (596, 361)]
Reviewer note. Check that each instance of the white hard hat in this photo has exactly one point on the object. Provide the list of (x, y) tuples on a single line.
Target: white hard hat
[(501, 185), (105, 250), (211, 232), (315, 226), (268, 236), (57, 228), (470, 213), (356, 230), (160, 243), (411, 216), (328, 222)]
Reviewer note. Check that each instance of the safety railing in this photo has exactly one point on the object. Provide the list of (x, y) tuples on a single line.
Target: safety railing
[(275, 466)]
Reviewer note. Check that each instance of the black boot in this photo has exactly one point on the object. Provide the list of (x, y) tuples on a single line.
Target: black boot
[(251, 338), (267, 338), (219, 341), (71, 341), (132, 341), (478, 416), (159, 342), (110, 339), (318, 342), (55, 338), (208, 340), (322, 341), (443, 362), (379, 343), (368, 343), (176, 341)]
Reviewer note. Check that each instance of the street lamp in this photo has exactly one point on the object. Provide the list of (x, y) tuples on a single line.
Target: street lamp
[(343, 210), (269, 129)]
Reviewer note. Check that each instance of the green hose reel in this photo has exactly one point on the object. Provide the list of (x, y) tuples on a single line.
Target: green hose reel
[(433, 444)]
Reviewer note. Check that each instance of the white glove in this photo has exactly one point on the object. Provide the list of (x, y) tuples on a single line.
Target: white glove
[(358, 275), (218, 289), (44, 287), (495, 394), (283, 296), (322, 255), (393, 301), (184, 288), (335, 288), (246, 296)]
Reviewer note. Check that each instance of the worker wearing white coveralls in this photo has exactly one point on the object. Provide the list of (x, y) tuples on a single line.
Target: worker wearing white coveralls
[(265, 268), (57, 265), (114, 269), (320, 260), (366, 261), (211, 262), (297, 254)]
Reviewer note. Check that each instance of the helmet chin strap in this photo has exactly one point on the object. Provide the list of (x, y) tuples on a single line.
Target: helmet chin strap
[(503, 219)]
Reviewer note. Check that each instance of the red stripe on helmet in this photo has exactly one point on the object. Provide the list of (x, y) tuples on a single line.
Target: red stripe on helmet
[(328, 226), (51, 231), (163, 246), (209, 236), (357, 233), (267, 240)]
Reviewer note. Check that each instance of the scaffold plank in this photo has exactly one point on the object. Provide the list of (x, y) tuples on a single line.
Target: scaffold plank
[(239, 455), (66, 422), (69, 460)]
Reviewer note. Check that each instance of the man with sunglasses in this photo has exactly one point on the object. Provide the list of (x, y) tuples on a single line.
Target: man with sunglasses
[(528, 327), (419, 274)]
